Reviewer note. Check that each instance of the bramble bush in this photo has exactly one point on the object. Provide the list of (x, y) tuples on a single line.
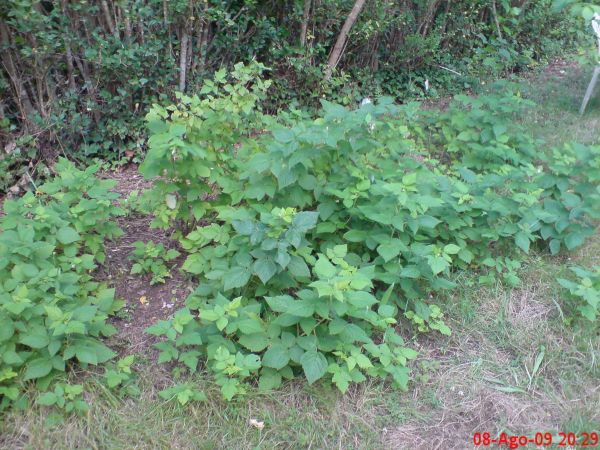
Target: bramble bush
[(324, 233), (52, 312)]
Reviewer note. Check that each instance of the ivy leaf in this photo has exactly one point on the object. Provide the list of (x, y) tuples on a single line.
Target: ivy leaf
[(314, 365)]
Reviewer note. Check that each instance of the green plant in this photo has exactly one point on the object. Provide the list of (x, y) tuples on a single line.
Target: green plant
[(325, 231), (584, 10), (184, 393), (52, 312), (215, 123), (121, 376), (151, 258), (585, 291), (67, 397)]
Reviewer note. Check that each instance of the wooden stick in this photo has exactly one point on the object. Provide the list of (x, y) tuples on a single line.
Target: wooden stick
[(590, 90)]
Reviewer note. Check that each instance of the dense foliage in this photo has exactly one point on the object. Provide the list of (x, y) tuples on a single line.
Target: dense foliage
[(52, 312), (324, 234), (79, 76)]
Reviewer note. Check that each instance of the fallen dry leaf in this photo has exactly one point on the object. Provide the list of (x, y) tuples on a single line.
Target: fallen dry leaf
[(143, 300), (256, 424)]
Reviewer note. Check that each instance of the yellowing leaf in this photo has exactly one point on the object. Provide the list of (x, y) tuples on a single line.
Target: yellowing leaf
[(143, 300)]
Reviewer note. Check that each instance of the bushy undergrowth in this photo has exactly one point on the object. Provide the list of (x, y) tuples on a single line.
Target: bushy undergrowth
[(52, 313), (324, 235)]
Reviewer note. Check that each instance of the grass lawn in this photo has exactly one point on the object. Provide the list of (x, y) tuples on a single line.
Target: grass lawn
[(515, 363)]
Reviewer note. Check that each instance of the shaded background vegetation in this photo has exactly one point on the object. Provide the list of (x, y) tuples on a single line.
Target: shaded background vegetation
[(76, 77)]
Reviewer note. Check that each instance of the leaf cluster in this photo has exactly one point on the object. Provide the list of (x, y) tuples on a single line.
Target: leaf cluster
[(149, 257), (326, 231), (52, 312)]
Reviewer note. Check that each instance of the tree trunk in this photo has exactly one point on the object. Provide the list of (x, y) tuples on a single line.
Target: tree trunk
[(21, 96), (340, 43), (183, 58), (495, 14), (108, 19), (305, 19)]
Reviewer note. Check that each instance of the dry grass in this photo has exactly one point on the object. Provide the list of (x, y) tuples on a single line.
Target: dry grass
[(484, 380)]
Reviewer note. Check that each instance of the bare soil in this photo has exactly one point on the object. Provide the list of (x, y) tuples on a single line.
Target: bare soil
[(145, 303)]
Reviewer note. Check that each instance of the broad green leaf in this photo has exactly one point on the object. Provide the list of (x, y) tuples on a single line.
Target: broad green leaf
[(574, 240), (265, 269), (305, 220), (298, 268), (67, 235), (37, 368), (437, 264), (236, 277), (522, 241), (452, 249), (255, 342), (269, 380), (391, 250), (324, 269), (276, 357), (314, 365)]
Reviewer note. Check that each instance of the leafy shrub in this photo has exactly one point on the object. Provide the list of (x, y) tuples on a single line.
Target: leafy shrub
[(190, 143), (151, 258), (52, 313), (324, 232), (585, 291)]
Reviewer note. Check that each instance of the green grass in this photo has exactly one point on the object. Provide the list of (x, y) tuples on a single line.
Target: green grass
[(480, 379)]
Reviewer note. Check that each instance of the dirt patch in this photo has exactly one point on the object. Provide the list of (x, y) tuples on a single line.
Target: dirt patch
[(145, 303), (558, 68)]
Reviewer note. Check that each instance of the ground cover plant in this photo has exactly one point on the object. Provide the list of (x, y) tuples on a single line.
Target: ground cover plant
[(322, 234), (149, 257), (52, 312), (512, 352)]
